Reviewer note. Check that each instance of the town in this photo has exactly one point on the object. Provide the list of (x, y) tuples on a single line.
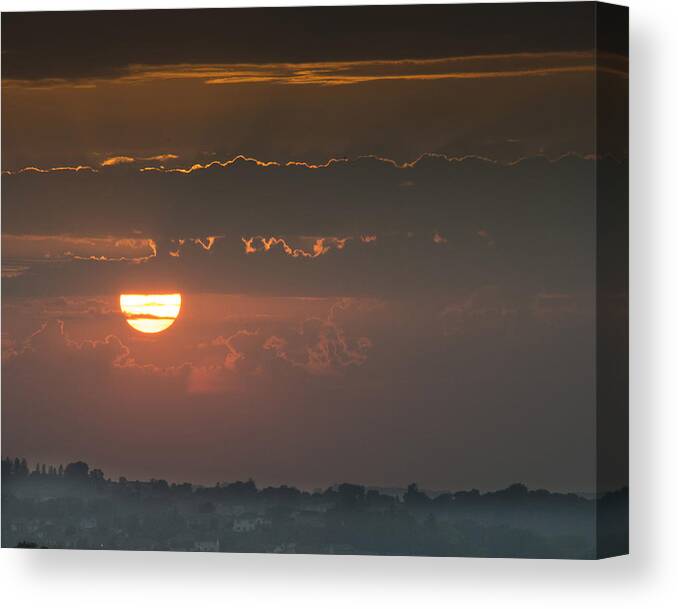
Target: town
[(78, 507)]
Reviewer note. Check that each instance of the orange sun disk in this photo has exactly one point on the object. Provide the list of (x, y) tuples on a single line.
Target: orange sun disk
[(150, 313)]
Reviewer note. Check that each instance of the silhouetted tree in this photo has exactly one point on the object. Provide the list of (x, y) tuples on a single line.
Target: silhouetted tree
[(346, 518), (414, 497), (444, 500), (96, 474), (159, 485), (29, 545), (7, 468), (240, 489), (20, 467), (77, 470), (280, 494)]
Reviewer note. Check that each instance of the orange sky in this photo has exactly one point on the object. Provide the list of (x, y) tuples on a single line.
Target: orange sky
[(384, 243)]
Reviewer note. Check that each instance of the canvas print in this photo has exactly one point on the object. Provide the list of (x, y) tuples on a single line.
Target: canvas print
[(322, 280)]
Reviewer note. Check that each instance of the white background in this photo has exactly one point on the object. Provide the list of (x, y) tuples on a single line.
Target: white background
[(55, 578)]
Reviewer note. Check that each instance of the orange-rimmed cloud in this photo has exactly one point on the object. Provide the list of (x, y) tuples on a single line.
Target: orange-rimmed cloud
[(52, 340), (31, 169), (325, 165), (319, 345), (99, 249), (205, 243), (320, 245), (208, 242), (238, 159), (79, 247), (126, 160), (50, 348), (150, 243), (242, 159), (508, 65), (117, 160)]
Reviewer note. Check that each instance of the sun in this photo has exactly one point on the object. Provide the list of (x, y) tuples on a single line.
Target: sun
[(150, 313)]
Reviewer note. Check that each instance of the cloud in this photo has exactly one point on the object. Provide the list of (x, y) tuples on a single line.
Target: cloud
[(127, 160), (335, 73), (51, 355), (149, 243), (50, 361), (246, 227), (66, 168), (58, 246), (50, 346), (319, 246), (117, 160), (318, 345), (242, 159), (160, 157), (208, 242), (351, 369), (62, 309)]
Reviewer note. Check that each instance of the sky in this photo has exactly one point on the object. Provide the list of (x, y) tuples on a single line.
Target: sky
[(381, 222)]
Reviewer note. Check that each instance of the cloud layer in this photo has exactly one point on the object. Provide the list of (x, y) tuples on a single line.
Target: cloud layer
[(510, 65), (329, 383), (352, 227)]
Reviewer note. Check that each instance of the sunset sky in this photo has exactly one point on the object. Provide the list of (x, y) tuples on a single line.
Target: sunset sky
[(381, 222)]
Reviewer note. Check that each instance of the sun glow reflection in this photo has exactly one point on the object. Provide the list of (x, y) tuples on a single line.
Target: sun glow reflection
[(150, 313)]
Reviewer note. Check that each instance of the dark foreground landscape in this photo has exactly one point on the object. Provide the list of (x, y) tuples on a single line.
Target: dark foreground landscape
[(78, 507)]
